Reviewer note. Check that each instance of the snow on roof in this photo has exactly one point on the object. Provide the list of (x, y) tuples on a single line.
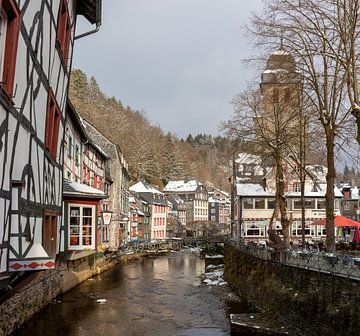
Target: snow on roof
[(214, 200), (274, 71), (255, 189), (280, 53), (252, 189), (182, 186), (143, 187), (355, 193), (318, 172), (76, 188), (248, 158)]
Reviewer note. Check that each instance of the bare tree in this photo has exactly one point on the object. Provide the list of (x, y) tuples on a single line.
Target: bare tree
[(307, 29), (270, 128)]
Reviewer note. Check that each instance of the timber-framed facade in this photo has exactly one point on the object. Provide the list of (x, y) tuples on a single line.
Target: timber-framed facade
[(35, 64)]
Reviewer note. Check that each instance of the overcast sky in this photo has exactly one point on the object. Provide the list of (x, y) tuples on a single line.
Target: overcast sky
[(178, 60)]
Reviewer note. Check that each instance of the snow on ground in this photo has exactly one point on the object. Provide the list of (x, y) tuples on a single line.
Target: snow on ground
[(215, 277), (218, 256)]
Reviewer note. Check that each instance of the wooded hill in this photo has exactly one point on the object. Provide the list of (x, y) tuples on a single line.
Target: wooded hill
[(152, 155)]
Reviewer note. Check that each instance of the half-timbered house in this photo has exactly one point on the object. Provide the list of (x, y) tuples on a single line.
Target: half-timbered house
[(36, 45), (84, 190), (116, 206)]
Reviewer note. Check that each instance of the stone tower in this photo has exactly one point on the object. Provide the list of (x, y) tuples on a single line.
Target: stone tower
[(281, 98)]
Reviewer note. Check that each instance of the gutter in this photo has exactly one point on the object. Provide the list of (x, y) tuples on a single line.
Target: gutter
[(98, 22)]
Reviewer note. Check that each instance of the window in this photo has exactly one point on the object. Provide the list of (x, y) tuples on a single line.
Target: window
[(297, 204), (63, 34), (347, 205), (70, 147), (271, 204), (321, 204), (9, 35), (52, 125), (248, 203), (49, 232), (296, 187), (77, 155), (212, 211), (259, 203), (309, 204), (81, 227)]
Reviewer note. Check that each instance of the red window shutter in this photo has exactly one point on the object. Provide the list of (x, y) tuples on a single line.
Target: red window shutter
[(49, 122), (55, 137), (12, 35), (53, 116), (63, 34)]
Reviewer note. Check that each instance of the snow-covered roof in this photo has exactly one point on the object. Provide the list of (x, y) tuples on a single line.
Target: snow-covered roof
[(280, 53), (248, 158), (354, 193), (143, 187), (252, 189), (214, 200), (274, 71), (255, 189), (182, 186), (72, 188), (318, 172)]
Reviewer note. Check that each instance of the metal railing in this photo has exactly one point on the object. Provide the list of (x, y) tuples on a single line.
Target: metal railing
[(342, 265)]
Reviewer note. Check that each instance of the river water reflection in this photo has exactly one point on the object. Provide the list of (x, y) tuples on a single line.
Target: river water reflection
[(154, 296)]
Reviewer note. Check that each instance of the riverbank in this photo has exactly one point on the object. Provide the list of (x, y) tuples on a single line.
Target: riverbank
[(40, 288)]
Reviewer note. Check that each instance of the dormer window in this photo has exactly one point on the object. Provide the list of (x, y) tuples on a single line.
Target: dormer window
[(9, 34)]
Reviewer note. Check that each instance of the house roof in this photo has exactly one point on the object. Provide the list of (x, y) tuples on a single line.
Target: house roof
[(257, 190), (91, 10), (182, 186), (76, 189), (76, 120), (252, 189), (144, 187)]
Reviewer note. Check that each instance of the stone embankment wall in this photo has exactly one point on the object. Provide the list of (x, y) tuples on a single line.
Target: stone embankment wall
[(42, 287), (310, 303)]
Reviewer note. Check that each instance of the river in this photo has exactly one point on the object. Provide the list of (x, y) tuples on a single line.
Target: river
[(153, 296)]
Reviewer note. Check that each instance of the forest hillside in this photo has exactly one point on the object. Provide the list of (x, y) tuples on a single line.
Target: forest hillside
[(152, 154)]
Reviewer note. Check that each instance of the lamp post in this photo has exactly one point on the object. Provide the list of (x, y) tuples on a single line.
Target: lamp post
[(106, 220)]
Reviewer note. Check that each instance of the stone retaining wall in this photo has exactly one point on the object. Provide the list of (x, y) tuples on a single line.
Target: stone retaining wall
[(42, 287), (311, 303)]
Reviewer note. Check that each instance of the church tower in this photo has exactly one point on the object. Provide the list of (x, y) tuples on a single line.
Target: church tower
[(281, 89)]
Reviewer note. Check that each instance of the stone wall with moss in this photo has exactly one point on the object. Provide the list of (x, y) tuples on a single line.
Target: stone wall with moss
[(310, 302)]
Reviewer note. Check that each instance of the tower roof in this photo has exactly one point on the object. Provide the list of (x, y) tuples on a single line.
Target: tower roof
[(281, 60)]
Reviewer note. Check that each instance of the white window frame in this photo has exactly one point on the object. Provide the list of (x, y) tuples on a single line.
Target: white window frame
[(93, 233), (3, 31)]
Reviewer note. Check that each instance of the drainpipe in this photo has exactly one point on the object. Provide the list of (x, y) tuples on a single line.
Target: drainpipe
[(98, 23)]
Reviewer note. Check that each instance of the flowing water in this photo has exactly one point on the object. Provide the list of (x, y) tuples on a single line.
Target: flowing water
[(154, 296)]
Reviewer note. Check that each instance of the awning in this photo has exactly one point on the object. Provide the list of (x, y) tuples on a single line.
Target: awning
[(339, 221), (76, 189)]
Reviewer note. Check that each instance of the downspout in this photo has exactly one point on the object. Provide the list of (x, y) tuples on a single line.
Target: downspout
[(239, 221), (98, 22)]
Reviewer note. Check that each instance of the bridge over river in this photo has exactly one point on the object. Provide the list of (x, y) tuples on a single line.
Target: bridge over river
[(161, 246)]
